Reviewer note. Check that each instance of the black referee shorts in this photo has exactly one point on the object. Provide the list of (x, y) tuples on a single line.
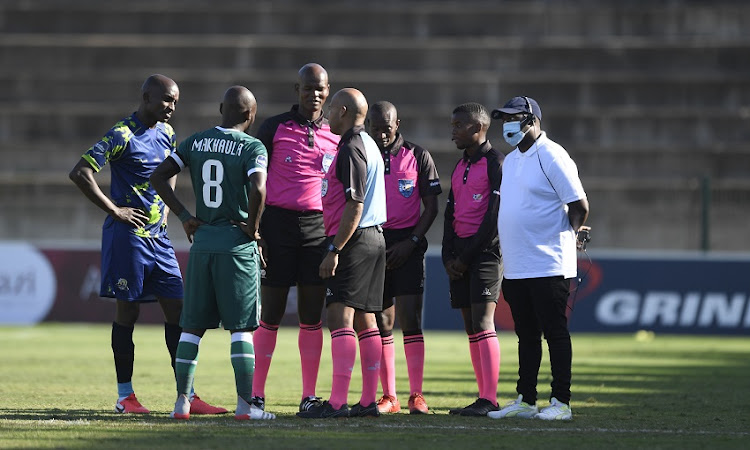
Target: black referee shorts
[(407, 279), (296, 243), (481, 281), (360, 273)]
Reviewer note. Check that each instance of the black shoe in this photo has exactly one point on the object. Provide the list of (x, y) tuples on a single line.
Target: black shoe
[(259, 402), (480, 408), (309, 402), (370, 410), (457, 411), (324, 411)]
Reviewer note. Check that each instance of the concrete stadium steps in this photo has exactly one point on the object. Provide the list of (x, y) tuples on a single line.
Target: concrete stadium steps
[(723, 164), (603, 127), (56, 210), (625, 162), (666, 214), (49, 162), (648, 96), (223, 51), (558, 88), (40, 159), (46, 161), (522, 19)]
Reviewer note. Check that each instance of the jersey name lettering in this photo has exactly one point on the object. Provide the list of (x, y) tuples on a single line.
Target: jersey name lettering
[(214, 145)]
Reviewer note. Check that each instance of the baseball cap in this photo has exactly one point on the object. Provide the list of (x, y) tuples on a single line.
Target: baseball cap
[(519, 105)]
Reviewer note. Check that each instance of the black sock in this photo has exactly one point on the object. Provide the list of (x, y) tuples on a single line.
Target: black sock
[(123, 349), (172, 338)]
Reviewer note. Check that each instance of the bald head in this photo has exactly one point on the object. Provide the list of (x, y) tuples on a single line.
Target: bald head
[(159, 96), (383, 123), (157, 81), (312, 90), (238, 108), (348, 109), (383, 109), (312, 70)]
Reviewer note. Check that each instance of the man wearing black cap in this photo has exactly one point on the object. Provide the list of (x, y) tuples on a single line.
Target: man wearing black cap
[(541, 219)]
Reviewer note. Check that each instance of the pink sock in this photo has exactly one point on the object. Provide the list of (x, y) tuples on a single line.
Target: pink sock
[(343, 354), (476, 361), (310, 343), (414, 350), (370, 352), (489, 349), (264, 339), (388, 366)]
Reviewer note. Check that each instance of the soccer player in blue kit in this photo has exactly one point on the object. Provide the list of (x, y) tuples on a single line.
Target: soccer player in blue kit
[(138, 261)]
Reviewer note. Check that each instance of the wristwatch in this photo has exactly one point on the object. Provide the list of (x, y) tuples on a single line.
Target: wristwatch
[(414, 238), (332, 248)]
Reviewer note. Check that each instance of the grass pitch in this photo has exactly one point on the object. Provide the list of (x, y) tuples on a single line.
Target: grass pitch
[(57, 390)]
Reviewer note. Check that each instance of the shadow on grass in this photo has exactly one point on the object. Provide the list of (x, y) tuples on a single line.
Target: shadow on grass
[(640, 387), (71, 415)]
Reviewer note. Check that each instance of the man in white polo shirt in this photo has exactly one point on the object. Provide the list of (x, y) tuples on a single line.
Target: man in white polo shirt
[(543, 208)]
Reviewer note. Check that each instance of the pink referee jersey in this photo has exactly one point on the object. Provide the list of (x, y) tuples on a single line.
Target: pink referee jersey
[(300, 154), (473, 181), (410, 174), (357, 174), (473, 201)]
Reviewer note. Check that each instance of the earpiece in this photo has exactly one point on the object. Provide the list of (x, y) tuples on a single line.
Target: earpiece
[(528, 105), (529, 120)]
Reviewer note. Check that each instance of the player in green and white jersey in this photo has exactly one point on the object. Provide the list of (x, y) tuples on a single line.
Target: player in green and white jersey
[(228, 171)]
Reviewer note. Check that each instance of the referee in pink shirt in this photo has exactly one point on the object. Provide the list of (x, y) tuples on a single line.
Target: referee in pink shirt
[(471, 250), (301, 148), (411, 179)]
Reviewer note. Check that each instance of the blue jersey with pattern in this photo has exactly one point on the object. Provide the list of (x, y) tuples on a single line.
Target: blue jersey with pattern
[(133, 152)]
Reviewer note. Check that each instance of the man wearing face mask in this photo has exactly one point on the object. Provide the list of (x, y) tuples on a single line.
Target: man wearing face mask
[(540, 224)]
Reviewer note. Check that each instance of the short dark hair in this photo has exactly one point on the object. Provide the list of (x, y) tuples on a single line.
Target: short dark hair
[(476, 111), (381, 107)]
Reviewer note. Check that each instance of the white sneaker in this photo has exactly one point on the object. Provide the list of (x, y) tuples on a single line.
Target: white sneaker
[(247, 411), (516, 408), (556, 410)]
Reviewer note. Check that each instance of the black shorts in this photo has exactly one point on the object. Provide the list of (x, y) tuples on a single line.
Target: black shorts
[(296, 245), (481, 281), (360, 273), (409, 278)]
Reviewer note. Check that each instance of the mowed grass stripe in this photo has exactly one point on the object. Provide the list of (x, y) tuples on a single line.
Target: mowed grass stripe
[(356, 424), (57, 389)]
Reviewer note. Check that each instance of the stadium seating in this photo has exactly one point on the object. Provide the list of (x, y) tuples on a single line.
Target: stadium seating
[(650, 98)]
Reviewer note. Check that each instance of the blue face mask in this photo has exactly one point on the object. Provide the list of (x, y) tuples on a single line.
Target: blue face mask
[(512, 133)]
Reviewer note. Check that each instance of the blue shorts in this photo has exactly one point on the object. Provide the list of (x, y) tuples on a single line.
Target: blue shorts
[(136, 268)]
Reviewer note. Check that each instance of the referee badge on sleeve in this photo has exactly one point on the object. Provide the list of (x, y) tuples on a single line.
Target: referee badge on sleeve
[(323, 187)]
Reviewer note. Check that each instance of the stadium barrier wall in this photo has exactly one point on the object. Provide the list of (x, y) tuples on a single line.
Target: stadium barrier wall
[(620, 292)]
